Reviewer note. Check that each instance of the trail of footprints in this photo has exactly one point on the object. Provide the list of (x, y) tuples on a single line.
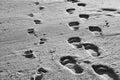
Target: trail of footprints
[(91, 49), (70, 62)]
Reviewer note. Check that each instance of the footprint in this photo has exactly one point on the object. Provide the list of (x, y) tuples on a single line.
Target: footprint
[(91, 49), (74, 25), (31, 31), (70, 10), (37, 21), (81, 4), (41, 70), (90, 46), (74, 68), (74, 42), (105, 70), (29, 54), (96, 30), (84, 16), (67, 59), (32, 78), (78, 69), (73, 1), (39, 74), (31, 15), (109, 9), (41, 8), (42, 40), (37, 77), (74, 39), (36, 3)]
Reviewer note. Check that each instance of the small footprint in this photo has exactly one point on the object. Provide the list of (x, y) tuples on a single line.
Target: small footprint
[(37, 21), (74, 25), (74, 39), (32, 31), (70, 10), (42, 40), (81, 4), (84, 16), (36, 77), (109, 9), (96, 30), (29, 54), (74, 42), (31, 15), (36, 3), (41, 8), (41, 70), (73, 1)]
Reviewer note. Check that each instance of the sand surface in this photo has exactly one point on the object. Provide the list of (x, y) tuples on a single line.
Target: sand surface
[(48, 41)]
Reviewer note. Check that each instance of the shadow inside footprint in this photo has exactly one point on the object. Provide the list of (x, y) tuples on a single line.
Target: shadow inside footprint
[(70, 10), (31, 15), (32, 78), (42, 40), (41, 70), (74, 39), (31, 31), (37, 21), (38, 77), (78, 69), (85, 16), (41, 8), (71, 64), (95, 28), (73, 1), (74, 68), (67, 59), (73, 23), (29, 54), (39, 74), (75, 28), (104, 69), (108, 9), (36, 3), (88, 46), (82, 4)]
